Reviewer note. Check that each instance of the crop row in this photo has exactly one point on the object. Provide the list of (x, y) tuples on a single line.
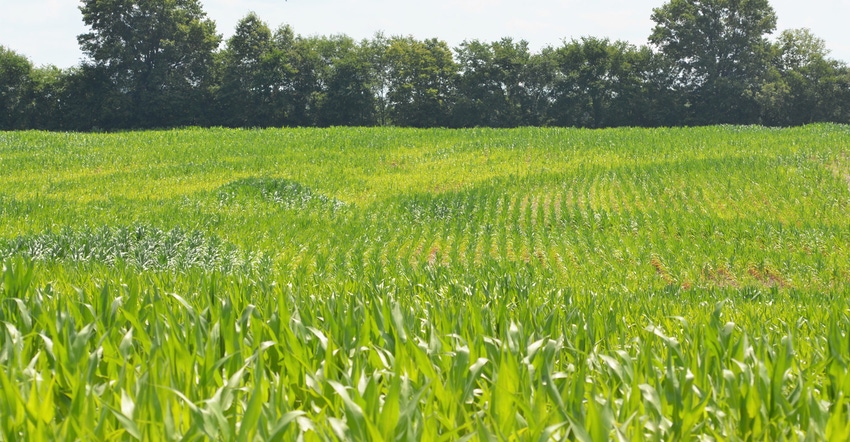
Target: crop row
[(392, 284), (200, 355)]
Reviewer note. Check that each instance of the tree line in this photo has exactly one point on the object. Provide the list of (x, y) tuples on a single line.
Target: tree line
[(161, 63)]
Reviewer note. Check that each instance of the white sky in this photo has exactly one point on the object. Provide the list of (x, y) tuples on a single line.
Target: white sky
[(46, 30)]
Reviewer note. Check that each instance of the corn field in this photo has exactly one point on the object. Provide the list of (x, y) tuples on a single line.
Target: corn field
[(398, 284)]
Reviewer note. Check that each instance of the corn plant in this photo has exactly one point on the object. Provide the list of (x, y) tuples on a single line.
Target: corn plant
[(401, 284)]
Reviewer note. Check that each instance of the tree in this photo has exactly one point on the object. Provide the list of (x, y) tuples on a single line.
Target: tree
[(539, 84), (279, 75), (262, 72), (805, 85), (15, 85), (422, 76), (88, 101), (661, 102), (245, 95), (375, 51), (493, 88), (157, 53), (347, 98), (599, 83), (46, 95), (721, 51), (308, 81)]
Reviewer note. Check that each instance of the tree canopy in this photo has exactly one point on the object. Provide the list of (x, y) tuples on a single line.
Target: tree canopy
[(15, 74), (158, 55), (161, 63), (721, 50)]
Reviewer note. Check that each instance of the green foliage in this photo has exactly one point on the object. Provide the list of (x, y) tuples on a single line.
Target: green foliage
[(157, 64), (157, 54), (805, 85), (347, 98), (15, 79), (33, 96), (721, 50), (139, 246), (600, 83), (246, 95), (422, 75), (401, 284), (494, 85)]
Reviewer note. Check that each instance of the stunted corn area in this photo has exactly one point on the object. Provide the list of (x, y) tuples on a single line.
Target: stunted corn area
[(400, 284)]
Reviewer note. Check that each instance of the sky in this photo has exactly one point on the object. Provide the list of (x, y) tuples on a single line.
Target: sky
[(45, 30)]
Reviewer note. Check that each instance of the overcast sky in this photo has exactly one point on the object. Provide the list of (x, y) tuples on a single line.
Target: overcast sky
[(46, 30)]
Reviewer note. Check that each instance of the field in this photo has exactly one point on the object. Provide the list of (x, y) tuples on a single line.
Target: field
[(400, 284)]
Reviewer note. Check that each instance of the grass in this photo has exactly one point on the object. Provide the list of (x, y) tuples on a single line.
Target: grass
[(399, 284)]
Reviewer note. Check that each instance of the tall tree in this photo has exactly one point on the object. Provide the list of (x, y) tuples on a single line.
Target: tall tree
[(15, 85), (88, 101), (46, 97), (599, 84), (245, 94), (158, 54), (422, 79), (308, 82), (375, 52), (721, 50), (661, 101), (347, 97), (538, 83), (805, 85), (279, 76), (493, 88)]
